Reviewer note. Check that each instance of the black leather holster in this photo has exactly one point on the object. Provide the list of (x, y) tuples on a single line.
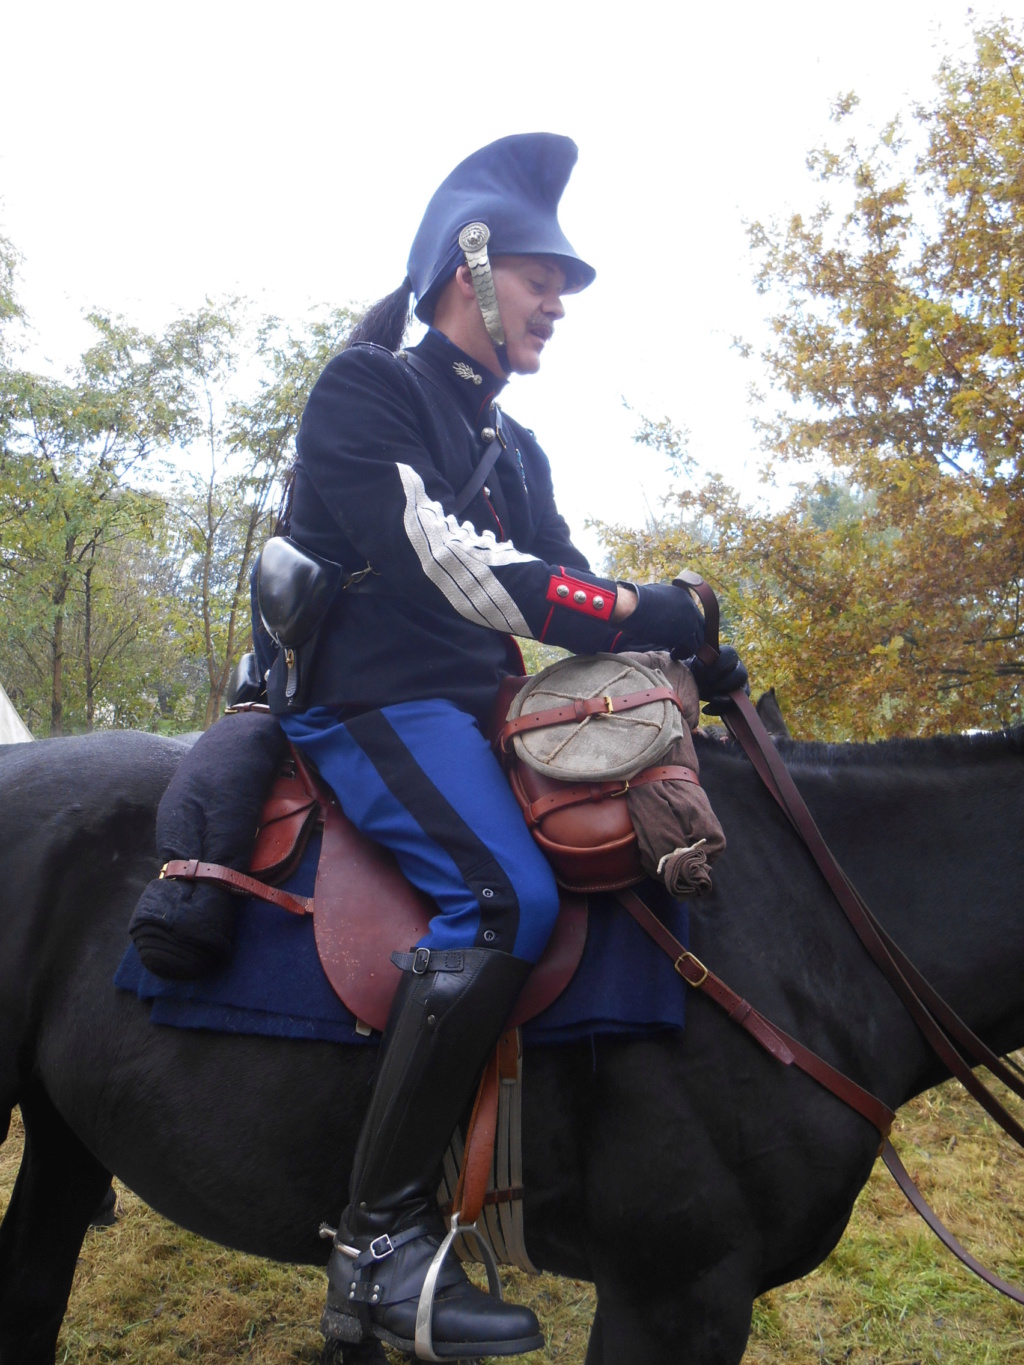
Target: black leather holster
[(294, 589)]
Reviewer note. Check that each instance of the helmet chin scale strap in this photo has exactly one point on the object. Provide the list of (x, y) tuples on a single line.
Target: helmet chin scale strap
[(473, 241)]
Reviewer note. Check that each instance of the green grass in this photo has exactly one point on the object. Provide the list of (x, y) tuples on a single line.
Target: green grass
[(147, 1291)]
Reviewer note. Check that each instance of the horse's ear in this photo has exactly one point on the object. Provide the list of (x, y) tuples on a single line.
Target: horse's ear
[(771, 715)]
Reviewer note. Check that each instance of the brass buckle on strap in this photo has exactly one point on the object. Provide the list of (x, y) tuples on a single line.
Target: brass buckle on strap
[(698, 964)]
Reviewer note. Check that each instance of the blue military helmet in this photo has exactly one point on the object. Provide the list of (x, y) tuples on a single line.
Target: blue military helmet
[(504, 198)]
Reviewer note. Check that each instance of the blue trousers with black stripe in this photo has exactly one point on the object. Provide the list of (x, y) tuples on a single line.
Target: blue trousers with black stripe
[(420, 779)]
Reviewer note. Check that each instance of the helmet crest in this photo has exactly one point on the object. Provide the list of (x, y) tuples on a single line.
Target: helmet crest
[(503, 198)]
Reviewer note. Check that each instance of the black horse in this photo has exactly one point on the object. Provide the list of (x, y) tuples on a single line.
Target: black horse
[(682, 1174)]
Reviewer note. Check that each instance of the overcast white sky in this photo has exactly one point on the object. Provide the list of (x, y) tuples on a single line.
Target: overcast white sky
[(152, 155)]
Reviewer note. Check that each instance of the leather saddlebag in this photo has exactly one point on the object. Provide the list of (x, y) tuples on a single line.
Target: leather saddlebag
[(577, 738), (584, 829)]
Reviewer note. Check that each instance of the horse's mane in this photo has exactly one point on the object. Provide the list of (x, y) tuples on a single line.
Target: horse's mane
[(939, 750)]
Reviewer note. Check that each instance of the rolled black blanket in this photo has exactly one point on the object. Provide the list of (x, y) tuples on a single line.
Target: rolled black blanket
[(210, 811)]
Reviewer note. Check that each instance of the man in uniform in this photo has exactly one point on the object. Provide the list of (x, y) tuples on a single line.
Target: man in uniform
[(440, 510)]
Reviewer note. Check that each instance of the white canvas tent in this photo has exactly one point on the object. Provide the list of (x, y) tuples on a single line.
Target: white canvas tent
[(13, 729)]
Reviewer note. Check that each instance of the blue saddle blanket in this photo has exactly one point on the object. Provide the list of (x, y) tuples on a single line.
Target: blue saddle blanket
[(274, 984)]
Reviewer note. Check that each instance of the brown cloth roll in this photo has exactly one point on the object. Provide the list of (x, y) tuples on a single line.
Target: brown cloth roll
[(677, 831)]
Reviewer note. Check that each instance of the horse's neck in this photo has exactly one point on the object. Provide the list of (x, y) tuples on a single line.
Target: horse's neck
[(936, 850)]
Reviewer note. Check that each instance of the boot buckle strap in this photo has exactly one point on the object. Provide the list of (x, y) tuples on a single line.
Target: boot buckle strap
[(384, 1246), (425, 960)]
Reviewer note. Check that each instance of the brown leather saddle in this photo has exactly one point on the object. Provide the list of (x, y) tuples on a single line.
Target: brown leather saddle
[(363, 907)]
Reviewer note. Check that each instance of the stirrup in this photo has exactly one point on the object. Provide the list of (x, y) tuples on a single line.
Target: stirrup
[(424, 1338)]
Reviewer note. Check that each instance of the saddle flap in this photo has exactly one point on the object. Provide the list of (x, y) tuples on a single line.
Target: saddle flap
[(290, 813), (365, 910)]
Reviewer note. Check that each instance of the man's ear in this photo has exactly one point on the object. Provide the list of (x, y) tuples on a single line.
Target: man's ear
[(464, 280)]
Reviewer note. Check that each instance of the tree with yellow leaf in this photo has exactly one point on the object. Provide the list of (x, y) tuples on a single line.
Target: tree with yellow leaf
[(887, 597)]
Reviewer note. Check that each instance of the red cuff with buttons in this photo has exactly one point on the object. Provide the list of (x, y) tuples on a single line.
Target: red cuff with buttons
[(579, 595)]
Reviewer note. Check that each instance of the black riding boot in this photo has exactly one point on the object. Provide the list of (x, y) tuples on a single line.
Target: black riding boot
[(445, 1020)]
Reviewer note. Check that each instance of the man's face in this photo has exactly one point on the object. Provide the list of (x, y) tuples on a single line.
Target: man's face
[(529, 290)]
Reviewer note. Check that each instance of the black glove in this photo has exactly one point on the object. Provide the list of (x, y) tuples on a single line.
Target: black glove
[(665, 617), (716, 680)]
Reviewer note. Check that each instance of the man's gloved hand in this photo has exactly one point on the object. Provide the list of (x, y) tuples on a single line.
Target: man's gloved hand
[(665, 617), (716, 680)]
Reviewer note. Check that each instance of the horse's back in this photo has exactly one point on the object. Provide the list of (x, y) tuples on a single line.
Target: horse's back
[(76, 847), (71, 806), (80, 772)]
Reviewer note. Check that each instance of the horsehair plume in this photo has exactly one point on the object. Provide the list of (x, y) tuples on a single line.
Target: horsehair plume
[(384, 323), (283, 520)]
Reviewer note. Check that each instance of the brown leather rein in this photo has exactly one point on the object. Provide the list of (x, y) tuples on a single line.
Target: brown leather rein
[(948, 1036)]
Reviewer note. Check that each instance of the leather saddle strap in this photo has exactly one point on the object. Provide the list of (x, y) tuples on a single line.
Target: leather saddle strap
[(582, 707), (602, 791), (192, 870), (478, 1153), (773, 1039)]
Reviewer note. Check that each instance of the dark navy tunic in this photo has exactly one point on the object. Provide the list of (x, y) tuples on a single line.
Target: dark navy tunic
[(382, 455)]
